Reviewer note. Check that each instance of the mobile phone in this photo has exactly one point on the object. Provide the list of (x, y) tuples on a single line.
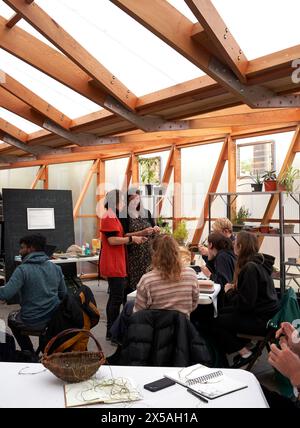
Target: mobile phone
[(159, 384)]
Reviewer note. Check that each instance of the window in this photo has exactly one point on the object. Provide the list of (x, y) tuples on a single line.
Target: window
[(253, 158)]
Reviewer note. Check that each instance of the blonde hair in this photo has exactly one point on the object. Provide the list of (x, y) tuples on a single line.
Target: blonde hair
[(221, 224), (166, 257)]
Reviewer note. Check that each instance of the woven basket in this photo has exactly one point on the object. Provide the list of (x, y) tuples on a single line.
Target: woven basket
[(73, 367)]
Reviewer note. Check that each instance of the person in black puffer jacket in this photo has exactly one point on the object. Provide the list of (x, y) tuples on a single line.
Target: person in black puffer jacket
[(250, 302)]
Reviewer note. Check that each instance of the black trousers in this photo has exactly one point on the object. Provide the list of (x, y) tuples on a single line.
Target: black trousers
[(16, 325), (229, 324), (115, 300), (277, 401)]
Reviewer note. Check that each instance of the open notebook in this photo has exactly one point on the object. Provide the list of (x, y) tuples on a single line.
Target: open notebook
[(211, 383)]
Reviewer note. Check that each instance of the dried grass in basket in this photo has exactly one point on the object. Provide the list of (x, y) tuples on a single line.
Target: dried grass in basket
[(76, 366)]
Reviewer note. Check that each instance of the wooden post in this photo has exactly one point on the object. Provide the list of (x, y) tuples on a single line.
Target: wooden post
[(128, 175), (167, 177), (135, 170), (42, 175), (100, 192), (232, 173), (212, 188), (92, 171), (288, 161), (177, 188)]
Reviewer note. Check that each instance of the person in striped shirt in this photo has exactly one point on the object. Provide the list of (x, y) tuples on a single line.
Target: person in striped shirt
[(168, 285)]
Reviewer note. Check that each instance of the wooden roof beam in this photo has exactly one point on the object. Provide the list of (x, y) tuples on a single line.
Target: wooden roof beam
[(16, 17), (52, 31), (13, 131), (167, 23), (37, 103), (220, 36)]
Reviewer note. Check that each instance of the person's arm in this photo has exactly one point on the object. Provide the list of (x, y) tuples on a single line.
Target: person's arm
[(116, 240), (145, 232), (13, 286), (245, 296), (141, 297), (289, 335), (62, 288), (286, 362)]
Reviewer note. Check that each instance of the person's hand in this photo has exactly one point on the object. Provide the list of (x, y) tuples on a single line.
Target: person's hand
[(286, 362), (203, 250), (228, 287), (139, 240), (289, 335), (156, 229), (206, 271), (148, 231)]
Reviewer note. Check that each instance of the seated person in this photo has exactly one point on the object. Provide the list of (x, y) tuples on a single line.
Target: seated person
[(286, 359), (41, 286), (250, 302), (168, 285), (222, 262), (223, 226)]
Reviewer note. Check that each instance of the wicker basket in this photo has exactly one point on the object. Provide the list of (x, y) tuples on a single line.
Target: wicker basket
[(76, 366)]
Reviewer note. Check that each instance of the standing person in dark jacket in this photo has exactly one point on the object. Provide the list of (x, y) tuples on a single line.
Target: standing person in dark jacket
[(41, 287), (251, 301), (222, 261)]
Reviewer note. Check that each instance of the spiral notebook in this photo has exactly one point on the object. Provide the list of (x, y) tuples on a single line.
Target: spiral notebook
[(211, 383)]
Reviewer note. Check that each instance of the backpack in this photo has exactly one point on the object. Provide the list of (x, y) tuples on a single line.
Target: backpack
[(7, 348), (75, 311)]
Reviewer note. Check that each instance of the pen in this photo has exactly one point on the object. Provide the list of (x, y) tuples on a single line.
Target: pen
[(196, 394)]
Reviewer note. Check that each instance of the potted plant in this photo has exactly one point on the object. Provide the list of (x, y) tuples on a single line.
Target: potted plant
[(181, 233), (164, 225), (270, 180), (149, 173), (257, 182), (239, 220), (286, 182)]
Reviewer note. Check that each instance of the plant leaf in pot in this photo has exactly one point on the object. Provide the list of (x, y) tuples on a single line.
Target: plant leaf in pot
[(181, 233), (270, 180), (286, 181)]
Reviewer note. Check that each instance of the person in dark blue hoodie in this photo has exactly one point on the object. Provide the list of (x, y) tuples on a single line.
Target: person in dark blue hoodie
[(40, 285)]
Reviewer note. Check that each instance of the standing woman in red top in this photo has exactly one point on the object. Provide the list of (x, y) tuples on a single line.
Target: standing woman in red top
[(113, 254)]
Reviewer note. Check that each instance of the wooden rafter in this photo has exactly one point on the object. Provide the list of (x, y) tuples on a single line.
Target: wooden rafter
[(8, 128), (288, 161), (93, 170), (16, 17), (34, 101), (220, 36), (212, 188), (100, 193), (50, 29), (232, 172)]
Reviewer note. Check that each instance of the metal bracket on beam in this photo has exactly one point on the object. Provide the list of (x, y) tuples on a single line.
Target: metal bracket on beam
[(80, 139), (255, 96), (22, 146), (13, 159), (146, 123)]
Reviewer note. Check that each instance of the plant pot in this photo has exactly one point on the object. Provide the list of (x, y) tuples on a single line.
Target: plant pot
[(237, 227), (288, 229), (281, 187), (264, 229), (270, 186), (149, 189), (256, 187)]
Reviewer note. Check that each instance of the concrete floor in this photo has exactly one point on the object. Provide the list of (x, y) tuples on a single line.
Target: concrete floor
[(262, 369)]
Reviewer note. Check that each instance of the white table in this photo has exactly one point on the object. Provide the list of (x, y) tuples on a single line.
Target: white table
[(45, 390), (75, 260)]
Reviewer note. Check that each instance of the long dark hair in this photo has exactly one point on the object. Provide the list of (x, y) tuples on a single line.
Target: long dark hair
[(219, 241), (112, 199), (249, 246)]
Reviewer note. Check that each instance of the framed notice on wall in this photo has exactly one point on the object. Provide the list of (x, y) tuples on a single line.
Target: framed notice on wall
[(40, 218)]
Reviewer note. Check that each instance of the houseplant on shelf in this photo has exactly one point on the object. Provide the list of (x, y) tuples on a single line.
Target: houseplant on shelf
[(239, 220), (149, 173), (270, 180), (181, 233), (257, 182), (286, 182)]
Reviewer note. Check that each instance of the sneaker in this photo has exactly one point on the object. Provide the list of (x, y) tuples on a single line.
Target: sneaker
[(239, 361)]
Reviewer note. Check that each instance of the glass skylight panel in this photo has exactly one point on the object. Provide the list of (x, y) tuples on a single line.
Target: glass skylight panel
[(6, 11), (261, 27), (133, 54), (183, 8), (18, 121), (59, 96)]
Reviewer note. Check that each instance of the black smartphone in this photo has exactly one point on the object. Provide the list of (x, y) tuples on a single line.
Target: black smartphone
[(159, 384)]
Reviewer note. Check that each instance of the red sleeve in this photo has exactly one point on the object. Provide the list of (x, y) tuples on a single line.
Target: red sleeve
[(109, 224)]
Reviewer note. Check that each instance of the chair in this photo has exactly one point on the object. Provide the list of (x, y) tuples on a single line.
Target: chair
[(288, 312), (34, 333)]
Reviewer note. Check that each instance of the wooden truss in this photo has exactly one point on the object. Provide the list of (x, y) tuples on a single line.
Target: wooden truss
[(236, 98)]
